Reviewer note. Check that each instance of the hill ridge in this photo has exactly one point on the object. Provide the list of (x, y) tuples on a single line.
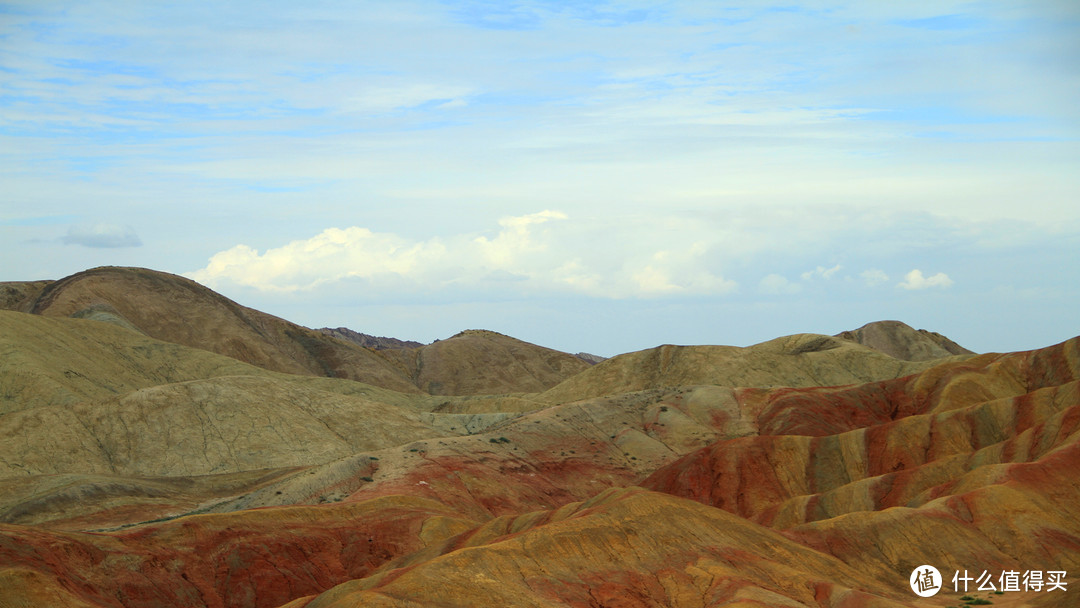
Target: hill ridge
[(177, 309)]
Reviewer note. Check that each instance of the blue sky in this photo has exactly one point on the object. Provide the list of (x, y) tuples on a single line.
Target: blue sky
[(590, 176)]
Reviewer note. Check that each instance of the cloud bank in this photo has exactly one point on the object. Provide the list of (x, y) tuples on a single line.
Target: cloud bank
[(534, 253)]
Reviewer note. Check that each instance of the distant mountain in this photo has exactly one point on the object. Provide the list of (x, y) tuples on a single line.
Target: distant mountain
[(375, 342), (900, 340), (590, 358)]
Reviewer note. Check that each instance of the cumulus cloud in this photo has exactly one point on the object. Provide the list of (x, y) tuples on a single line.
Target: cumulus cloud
[(331, 255), (515, 240), (916, 280), (538, 252), (102, 235)]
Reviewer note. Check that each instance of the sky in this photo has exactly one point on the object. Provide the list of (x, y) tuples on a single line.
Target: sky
[(589, 176)]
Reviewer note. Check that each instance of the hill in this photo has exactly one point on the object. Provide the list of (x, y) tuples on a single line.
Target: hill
[(178, 310), (899, 340), (480, 362), (175, 309), (800, 360)]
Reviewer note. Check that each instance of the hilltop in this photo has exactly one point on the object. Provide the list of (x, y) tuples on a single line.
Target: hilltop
[(901, 341)]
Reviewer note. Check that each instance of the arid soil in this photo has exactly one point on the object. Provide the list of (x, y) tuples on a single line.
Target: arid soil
[(161, 445)]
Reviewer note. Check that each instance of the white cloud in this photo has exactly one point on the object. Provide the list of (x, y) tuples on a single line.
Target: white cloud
[(651, 280), (515, 241), (535, 253), (331, 255), (777, 284), (874, 277), (916, 280), (102, 235), (821, 271)]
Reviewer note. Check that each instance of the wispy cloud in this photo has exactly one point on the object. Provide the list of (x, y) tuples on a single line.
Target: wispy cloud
[(102, 235), (698, 151), (874, 276), (775, 284)]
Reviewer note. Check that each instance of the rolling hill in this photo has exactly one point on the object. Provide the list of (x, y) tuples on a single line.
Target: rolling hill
[(163, 445), (174, 309)]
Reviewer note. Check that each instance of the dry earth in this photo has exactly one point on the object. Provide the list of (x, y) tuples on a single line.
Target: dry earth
[(169, 447)]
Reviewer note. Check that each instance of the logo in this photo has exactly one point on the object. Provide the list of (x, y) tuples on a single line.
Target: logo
[(925, 581)]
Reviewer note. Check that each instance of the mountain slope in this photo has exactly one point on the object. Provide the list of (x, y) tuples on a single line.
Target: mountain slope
[(891, 443), (17, 295), (625, 547), (60, 362), (201, 427), (259, 558)]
